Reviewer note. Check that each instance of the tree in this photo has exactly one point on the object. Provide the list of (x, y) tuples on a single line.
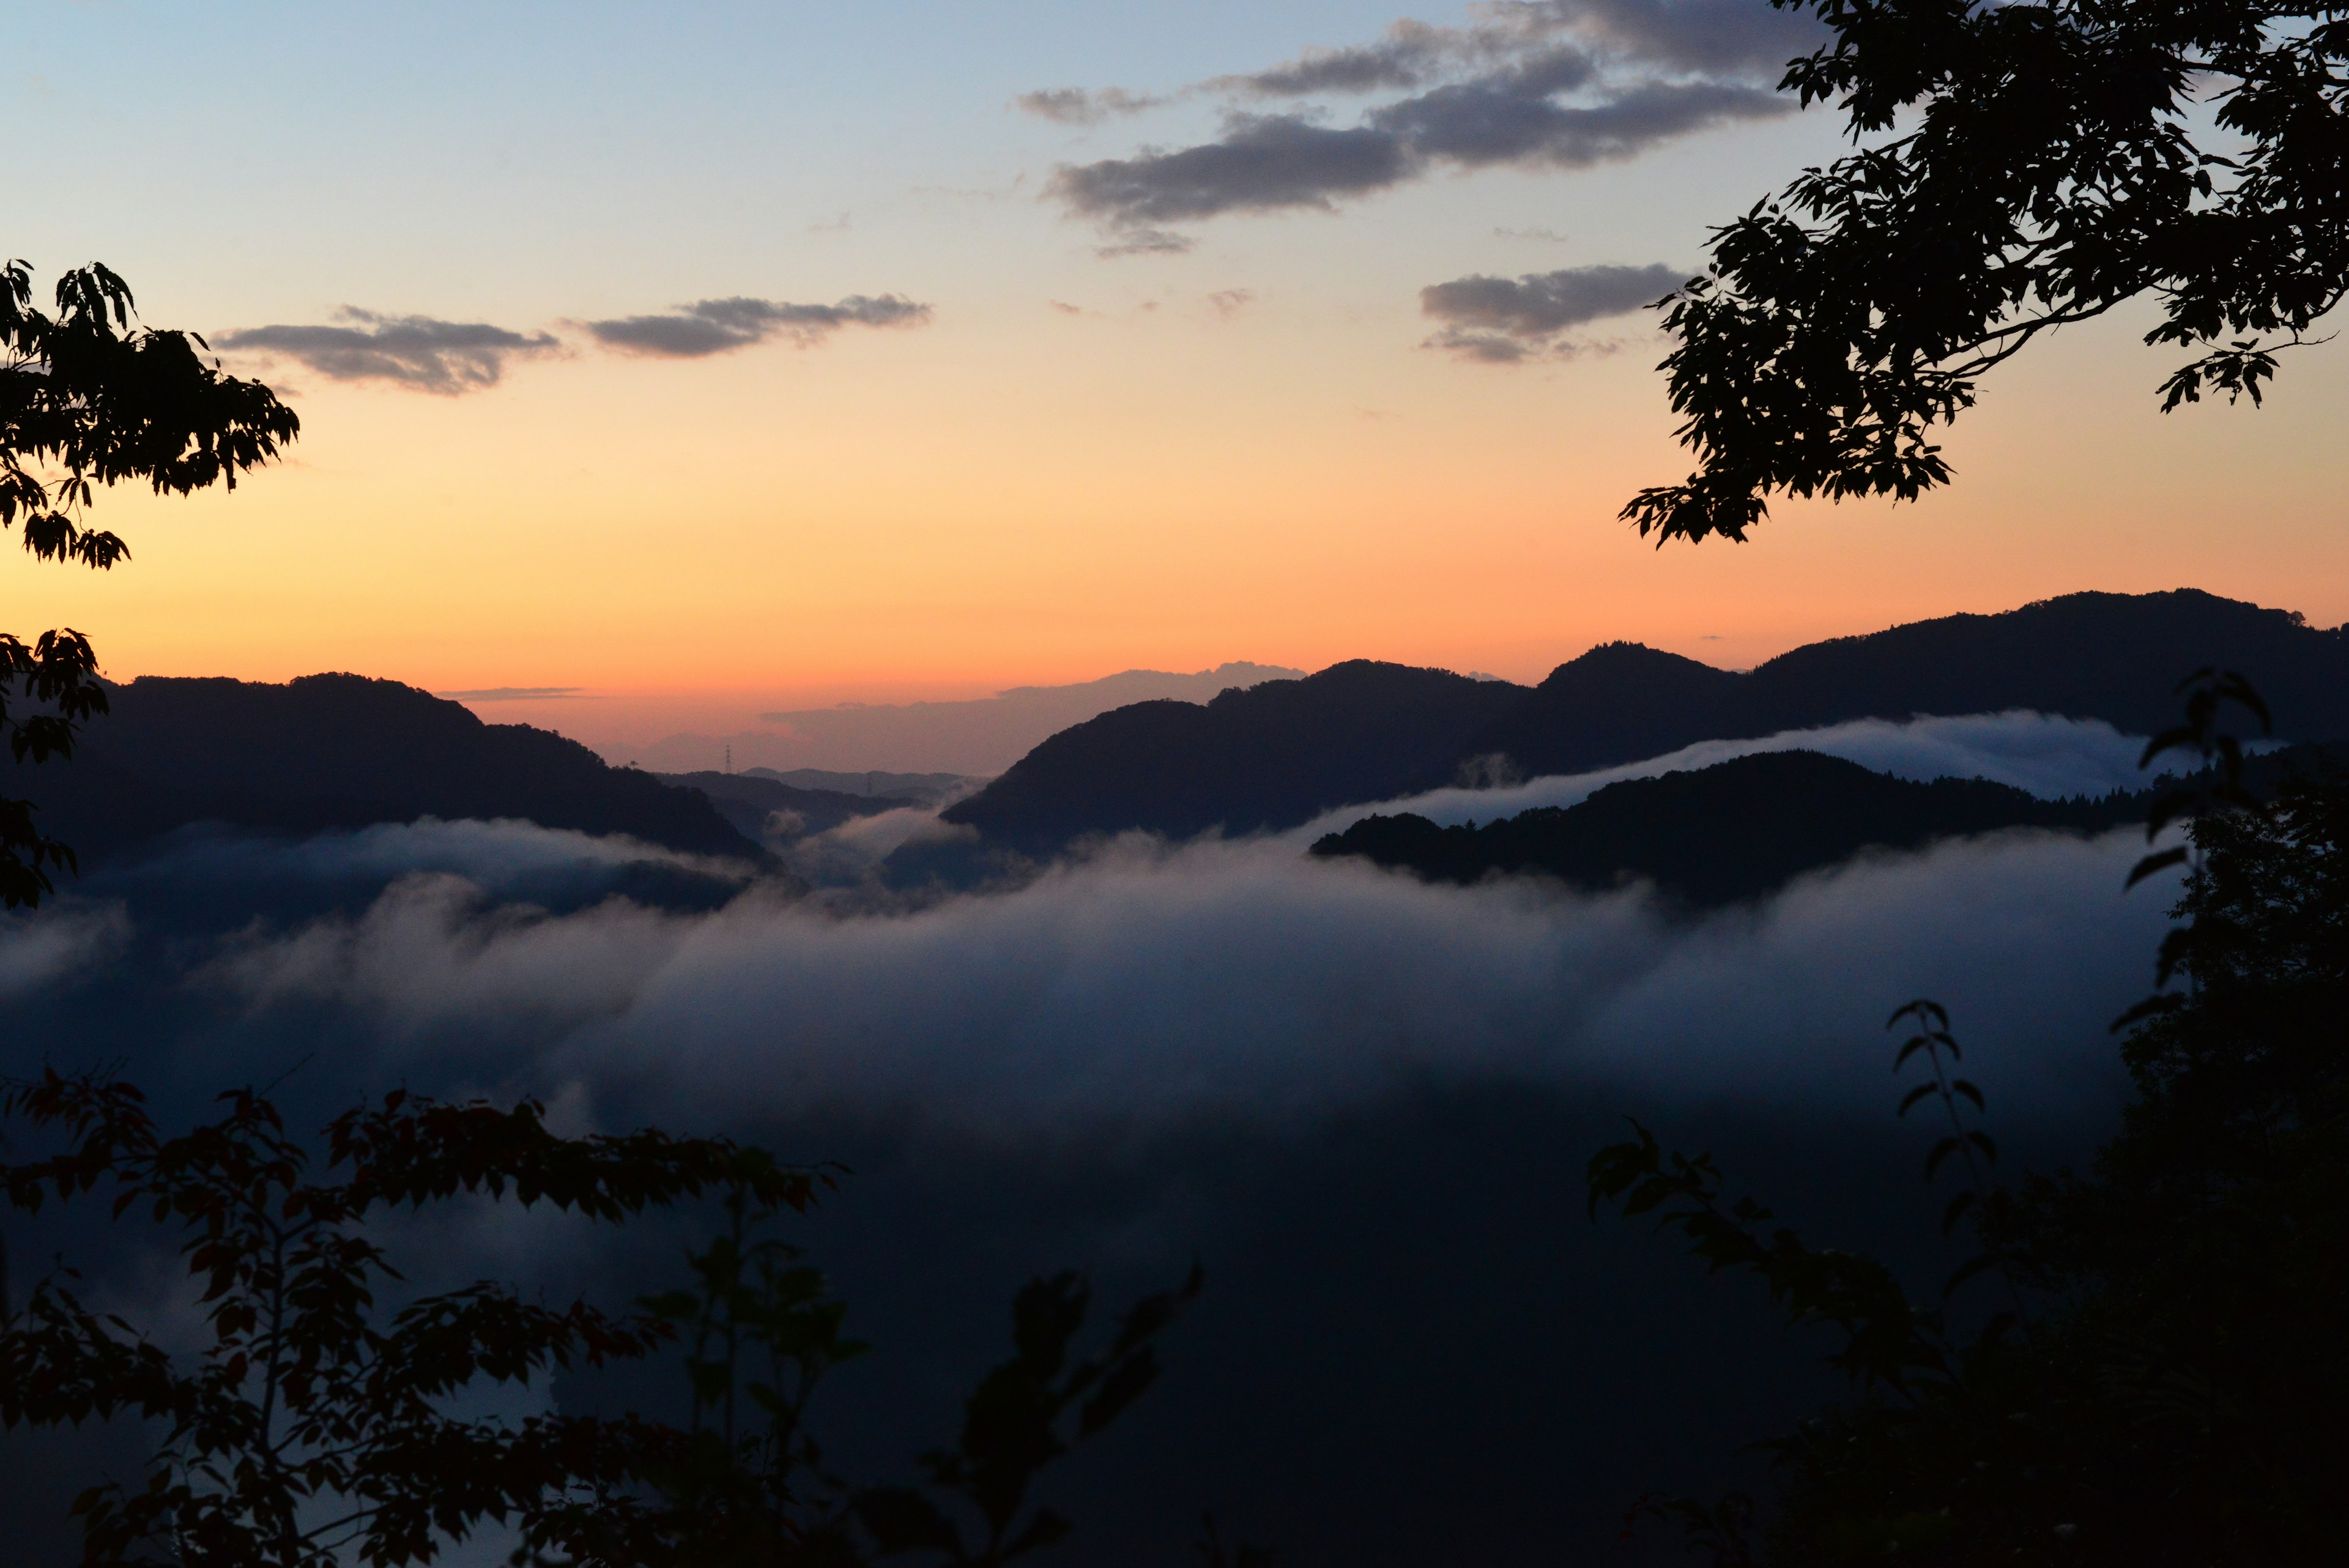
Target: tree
[(2161, 1384), (2020, 168), (310, 1428), (88, 399)]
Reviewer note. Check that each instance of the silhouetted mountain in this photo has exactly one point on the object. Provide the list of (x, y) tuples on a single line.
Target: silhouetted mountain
[(336, 751), (1271, 755), (1713, 836), (2113, 657), (750, 802), (1357, 733), (930, 789)]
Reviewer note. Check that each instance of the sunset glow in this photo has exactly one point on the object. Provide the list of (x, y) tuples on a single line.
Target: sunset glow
[(1073, 465)]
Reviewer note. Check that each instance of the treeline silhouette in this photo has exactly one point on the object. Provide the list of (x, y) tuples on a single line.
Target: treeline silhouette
[(1266, 756), (338, 751), (1277, 754), (1714, 835), (2157, 1376)]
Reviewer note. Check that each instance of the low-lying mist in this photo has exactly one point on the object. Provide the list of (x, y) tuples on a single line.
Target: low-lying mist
[(1363, 1102)]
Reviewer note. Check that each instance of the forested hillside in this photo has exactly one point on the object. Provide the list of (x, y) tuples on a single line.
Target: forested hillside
[(336, 751)]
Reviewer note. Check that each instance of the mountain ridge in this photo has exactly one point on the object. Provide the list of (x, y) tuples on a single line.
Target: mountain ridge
[(2091, 655), (1691, 835), (335, 751)]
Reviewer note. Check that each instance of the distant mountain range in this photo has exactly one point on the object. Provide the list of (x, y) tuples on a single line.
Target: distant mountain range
[(336, 751), (1269, 756), (1275, 756), (930, 789), (981, 736), (766, 811), (1713, 836), (2113, 657)]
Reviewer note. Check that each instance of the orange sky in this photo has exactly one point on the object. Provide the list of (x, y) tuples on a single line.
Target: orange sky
[(1240, 452)]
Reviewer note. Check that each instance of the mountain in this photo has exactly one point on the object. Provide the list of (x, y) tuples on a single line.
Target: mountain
[(930, 789), (1713, 836), (753, 802), (980, 736), (1270, 755), (2113, 657), (336, 751)]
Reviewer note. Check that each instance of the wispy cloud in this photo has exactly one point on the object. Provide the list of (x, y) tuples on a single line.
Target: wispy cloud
[(720, 326), (1505, 321), (1144, 243), (422, 353), (1560, 84), (1075, 106), (510, 694)]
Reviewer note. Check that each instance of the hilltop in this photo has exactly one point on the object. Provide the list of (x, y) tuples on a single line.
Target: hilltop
[(336, 751), (1276, 754)]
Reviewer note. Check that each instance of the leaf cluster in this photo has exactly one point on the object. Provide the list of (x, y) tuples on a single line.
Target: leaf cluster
[(87, 398), (310, 1426), (2018, 169), (309, 1429)]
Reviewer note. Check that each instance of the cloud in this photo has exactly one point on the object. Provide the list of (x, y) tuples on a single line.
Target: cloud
[(1075, 106), (1229, 301), (1149, 988), (1503, 320), (1144, 243), (720, 326), (58, 944), (1559, 85), (419, 352), (1727, 37), (509, 693), (2040, 753), (1408, 55), (1262, 163), (1477, 124), (506, 857)]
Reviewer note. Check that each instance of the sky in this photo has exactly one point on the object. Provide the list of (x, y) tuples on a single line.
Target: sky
[(706, 359)]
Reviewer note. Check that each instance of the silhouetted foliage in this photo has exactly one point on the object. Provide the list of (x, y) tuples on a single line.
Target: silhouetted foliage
[(1739, 829), (2172, 1392), (311, 1428), (2020, 168), (88, 399)]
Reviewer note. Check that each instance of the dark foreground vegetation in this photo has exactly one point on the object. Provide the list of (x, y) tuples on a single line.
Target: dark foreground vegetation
[(2149, 1359), (310, 1426)]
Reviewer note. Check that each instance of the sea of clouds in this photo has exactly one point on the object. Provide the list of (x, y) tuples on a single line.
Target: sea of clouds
[(1144, 984), (1363, 1100)]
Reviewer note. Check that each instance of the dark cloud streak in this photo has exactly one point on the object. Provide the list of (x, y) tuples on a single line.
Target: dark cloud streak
[(1262, 163), (721, 326), (418, 352), (1558, 84), (1505, 321), (1075, 106)]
